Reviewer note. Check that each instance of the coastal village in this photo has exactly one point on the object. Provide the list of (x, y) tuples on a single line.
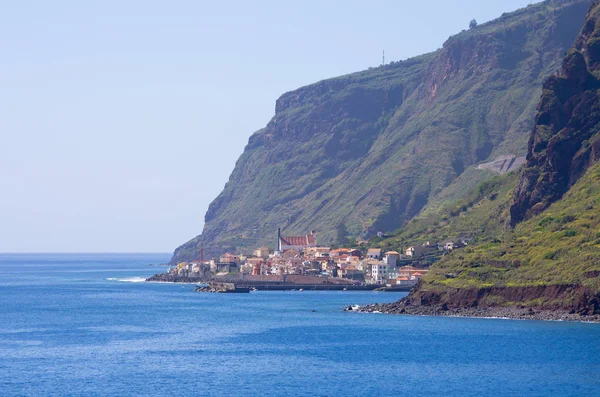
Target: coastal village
[(301, 260)]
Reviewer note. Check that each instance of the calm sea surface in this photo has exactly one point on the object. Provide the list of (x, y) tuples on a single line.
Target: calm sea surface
[(79, 325)]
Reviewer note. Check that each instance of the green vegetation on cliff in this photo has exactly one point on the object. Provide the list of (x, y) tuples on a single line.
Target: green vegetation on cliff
[(368, 151), (551, 260), (480, 216), (551, 257), (559, 246)]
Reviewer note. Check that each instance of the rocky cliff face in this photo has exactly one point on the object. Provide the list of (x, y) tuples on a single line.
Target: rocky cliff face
[(550, 260), (566, 136), (367, 151)]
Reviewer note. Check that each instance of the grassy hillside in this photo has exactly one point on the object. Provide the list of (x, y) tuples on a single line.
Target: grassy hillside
[(558, 247), (550, 261), (480, 216)]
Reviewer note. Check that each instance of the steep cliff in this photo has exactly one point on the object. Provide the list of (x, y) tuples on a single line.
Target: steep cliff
[(566, 137), (367, 151), (551, 258)]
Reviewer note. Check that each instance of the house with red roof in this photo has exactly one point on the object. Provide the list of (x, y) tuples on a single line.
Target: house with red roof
[(298, 243)]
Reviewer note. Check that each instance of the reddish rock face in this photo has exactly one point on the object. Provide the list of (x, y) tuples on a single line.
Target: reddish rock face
[(559, 297)]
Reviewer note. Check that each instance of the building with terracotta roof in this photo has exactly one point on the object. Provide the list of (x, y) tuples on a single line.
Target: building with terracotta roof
[(345, 251), (296, 242), (391, 258), (374, 253), (227, 257), (262, 252), (410, 272), (317, 252), (405, 281), (254, 261), (290, 253)]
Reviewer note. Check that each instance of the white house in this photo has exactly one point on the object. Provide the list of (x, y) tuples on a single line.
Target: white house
[(416, 251), (381, 272), (406, 282)]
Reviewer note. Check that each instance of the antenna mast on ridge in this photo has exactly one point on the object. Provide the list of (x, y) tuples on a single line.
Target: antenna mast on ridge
[(383, 59)]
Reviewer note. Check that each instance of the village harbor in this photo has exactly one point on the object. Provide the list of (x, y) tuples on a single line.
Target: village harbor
[(300, 264)]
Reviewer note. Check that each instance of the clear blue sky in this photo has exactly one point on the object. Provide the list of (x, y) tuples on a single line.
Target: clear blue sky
[(122, 120)]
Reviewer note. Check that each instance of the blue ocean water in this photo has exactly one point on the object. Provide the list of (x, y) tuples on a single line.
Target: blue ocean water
[(78, 325)]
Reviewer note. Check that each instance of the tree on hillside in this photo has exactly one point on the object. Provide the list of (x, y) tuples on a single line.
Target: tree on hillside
[(341, 234), (472, 24)]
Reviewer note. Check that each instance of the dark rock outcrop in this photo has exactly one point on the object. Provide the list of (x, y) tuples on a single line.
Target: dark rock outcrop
[(566, 136), (508, 312), (565, 297), (561, 303)]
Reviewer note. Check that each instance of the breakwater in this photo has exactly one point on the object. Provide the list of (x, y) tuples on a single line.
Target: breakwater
[(306, 283), (228, 288), (169, 278), (323, 287)]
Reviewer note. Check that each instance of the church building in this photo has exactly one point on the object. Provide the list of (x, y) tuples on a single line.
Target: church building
[(296, 242)]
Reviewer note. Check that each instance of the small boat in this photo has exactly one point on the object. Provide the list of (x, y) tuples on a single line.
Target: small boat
[(301, 290)]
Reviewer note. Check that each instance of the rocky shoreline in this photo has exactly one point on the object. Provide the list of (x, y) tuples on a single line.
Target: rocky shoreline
[(169, 278), (515, 313)]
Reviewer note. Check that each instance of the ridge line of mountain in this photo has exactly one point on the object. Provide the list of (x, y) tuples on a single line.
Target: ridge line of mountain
[(368, 151)]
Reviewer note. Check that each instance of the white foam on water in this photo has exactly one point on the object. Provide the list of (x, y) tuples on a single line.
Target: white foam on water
[(128, 279)]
